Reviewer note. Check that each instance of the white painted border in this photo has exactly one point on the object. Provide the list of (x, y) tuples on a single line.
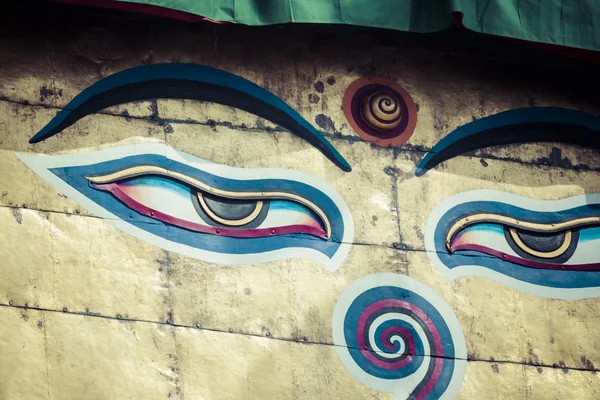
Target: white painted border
[(41, 164), (519, 201), (398, 386)]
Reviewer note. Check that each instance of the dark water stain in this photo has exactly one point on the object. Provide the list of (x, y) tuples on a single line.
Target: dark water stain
[(319, 87), (368, 69), (392, 171), (324, 122), (313, 98), (374, 220), (555, 159), (17, 214), (483, 162), (587, 364), (561, 364), (153, 108), (330, 80), (533, 357), (45, 92), (419, 232), (495, 368)]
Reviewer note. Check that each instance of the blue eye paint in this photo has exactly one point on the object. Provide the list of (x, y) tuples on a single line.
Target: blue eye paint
[(193, 82), (309, 219), (544, 247), (525, 125)]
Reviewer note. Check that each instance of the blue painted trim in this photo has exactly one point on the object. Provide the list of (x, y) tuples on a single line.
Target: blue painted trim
[(556, 115), (196, 74)]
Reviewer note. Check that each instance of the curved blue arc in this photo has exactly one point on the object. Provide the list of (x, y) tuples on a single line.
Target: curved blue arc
[(550, 115), (75, 177), (199, 74), (543, 277)]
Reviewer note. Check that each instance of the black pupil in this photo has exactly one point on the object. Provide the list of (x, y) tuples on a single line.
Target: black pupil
[(543, 242), (231, 209)]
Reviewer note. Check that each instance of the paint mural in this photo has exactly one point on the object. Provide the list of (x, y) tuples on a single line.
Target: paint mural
[(191, 206), (547, 248), (187, 81), (397, 335), (380, 111), (525, 125), (391, 332), (203, 210)]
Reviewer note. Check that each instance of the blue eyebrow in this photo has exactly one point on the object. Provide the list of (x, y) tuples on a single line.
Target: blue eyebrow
[(194, 82), (524, 125)]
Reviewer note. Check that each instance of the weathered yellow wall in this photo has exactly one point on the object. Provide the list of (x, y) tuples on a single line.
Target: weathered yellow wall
[(89, 312)]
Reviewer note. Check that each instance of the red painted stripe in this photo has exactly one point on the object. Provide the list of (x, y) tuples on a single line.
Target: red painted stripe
[(437, 372), (524, 262)]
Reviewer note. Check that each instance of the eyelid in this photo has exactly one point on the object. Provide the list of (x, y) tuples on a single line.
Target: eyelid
[(155, 170), (515, 223)]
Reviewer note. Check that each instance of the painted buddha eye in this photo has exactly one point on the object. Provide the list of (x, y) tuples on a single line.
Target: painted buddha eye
[(186, 202), (547, 248), (559, 246), (203, 210)]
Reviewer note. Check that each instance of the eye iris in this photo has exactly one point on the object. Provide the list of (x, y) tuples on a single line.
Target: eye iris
[(542, 242), (230, 212), (232, 209), (555, 247)]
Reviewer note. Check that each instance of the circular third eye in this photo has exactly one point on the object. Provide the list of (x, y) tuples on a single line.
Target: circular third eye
[(380, 111)]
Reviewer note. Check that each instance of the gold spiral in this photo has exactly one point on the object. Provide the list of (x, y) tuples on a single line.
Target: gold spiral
[(381, 111)]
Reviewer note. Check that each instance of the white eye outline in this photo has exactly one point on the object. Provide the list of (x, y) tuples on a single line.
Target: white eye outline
[(41, 165)]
